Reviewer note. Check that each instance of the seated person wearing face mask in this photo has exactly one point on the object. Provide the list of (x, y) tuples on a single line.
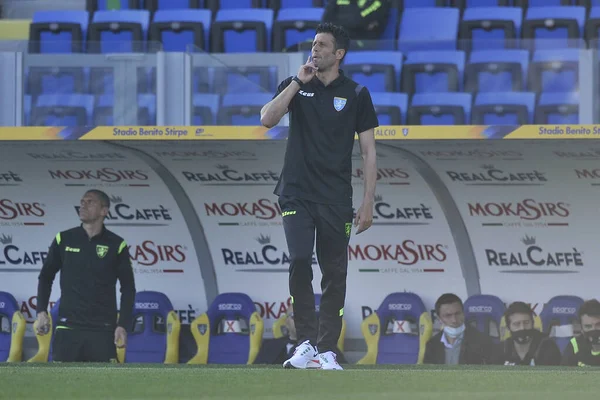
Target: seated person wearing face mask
[(584, 350), (527, 345), (457, 343)]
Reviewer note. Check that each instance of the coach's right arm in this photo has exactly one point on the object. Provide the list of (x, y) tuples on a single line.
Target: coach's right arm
[(52, 265)]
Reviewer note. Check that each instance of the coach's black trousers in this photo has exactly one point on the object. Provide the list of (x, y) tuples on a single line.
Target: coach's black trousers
[(332, 224)]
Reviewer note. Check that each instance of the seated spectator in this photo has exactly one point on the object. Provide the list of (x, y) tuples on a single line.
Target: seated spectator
[(457, 343), (527, 345), (584, 350)]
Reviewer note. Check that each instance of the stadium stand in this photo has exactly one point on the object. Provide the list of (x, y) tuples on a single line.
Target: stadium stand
[(524, 54)]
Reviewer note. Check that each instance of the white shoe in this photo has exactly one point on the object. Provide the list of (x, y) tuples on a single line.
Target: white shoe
[(305, 356), (328, 360)]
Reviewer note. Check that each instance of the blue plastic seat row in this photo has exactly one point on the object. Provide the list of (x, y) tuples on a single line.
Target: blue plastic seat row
[(258, 30), (504, 108)]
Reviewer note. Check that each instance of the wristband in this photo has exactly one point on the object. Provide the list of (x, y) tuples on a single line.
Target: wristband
[(296, 79)]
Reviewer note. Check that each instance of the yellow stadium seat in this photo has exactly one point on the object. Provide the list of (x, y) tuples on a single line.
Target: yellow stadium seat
[(14, 29)]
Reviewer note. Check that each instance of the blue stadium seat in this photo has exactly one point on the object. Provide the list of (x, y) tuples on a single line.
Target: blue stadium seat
[(387, 40), (230, 332), (242, 80), (104, 5), (433, 71), (428, 29), (553, 27), (26, 109), (12, 329), (103, 110), (146, 109), (154, 337), (557, 109), (242, 109), (56, 80), (504, 108), (62, 110), (119, 31), (440, 109), (58, 31), (205, 109), (554, 70), (295, 25), (282, 4), (391, 108), (485, 312), (377, 70), (216, 5), (424, 3), (546, 3), (497, 71), (178, 30), (203, 80), (398, 331), (244, 30), (481, 3), (561, 312), (155, 5), (485, 28)]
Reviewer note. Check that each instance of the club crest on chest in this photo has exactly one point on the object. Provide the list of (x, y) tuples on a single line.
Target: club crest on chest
[(339, 103)]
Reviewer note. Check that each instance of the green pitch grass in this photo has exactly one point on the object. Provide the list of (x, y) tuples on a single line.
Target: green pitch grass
[(134, 381)]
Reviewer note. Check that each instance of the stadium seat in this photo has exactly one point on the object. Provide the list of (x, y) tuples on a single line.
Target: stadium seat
[(203, 79), (118, 31), (428, 29), (106, 5), (205, 109), (283, 4), (481, 3), (440, 109), (62, 109), (553, 27), (242, 108), (215, 5), (103, 110), (391, 108), (397, 332), (545, 3), (178, 30), (230, 332), (44, 352), (485, 313), (53, 80), (377, 70), (60, 31), (26, 109), (12, 329), (280, 330), (560, 317), (504, 108), (295, 25), (242, 80), (146, 109), (433, 71), (156, 5), (592, 26), (557, 108), (424, 3), (154, 337), (554, 70), (497, 71), (104, 113), (241, 30), (485, 28)]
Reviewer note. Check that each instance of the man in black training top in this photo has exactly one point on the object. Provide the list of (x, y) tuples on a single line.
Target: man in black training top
[(327, 110), (584, 350), (90, 259), (527, 345)]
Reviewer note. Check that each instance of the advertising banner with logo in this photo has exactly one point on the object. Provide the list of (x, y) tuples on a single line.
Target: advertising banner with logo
[(41, 188)]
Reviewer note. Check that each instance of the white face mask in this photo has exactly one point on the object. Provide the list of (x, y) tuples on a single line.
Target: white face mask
[(454, 332)]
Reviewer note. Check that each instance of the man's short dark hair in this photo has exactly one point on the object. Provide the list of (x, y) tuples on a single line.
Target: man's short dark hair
[(518, 307), (341, 38), (447, 298), (103, 197), (591, 308)]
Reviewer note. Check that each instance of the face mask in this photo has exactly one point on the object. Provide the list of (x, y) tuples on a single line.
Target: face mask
[(593, 337), (523, 336), (454, 332)]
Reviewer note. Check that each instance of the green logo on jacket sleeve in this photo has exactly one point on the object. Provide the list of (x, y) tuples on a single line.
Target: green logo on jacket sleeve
[(348, 229)]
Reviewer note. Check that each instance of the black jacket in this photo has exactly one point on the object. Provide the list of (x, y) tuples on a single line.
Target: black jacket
[(543, 351), (89, 269), (579, 353), (476, 348)]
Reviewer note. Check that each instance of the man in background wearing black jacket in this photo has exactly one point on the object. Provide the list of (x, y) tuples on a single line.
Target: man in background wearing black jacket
[(90, 259), (527, 345), (584, 350), (457, 343)]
